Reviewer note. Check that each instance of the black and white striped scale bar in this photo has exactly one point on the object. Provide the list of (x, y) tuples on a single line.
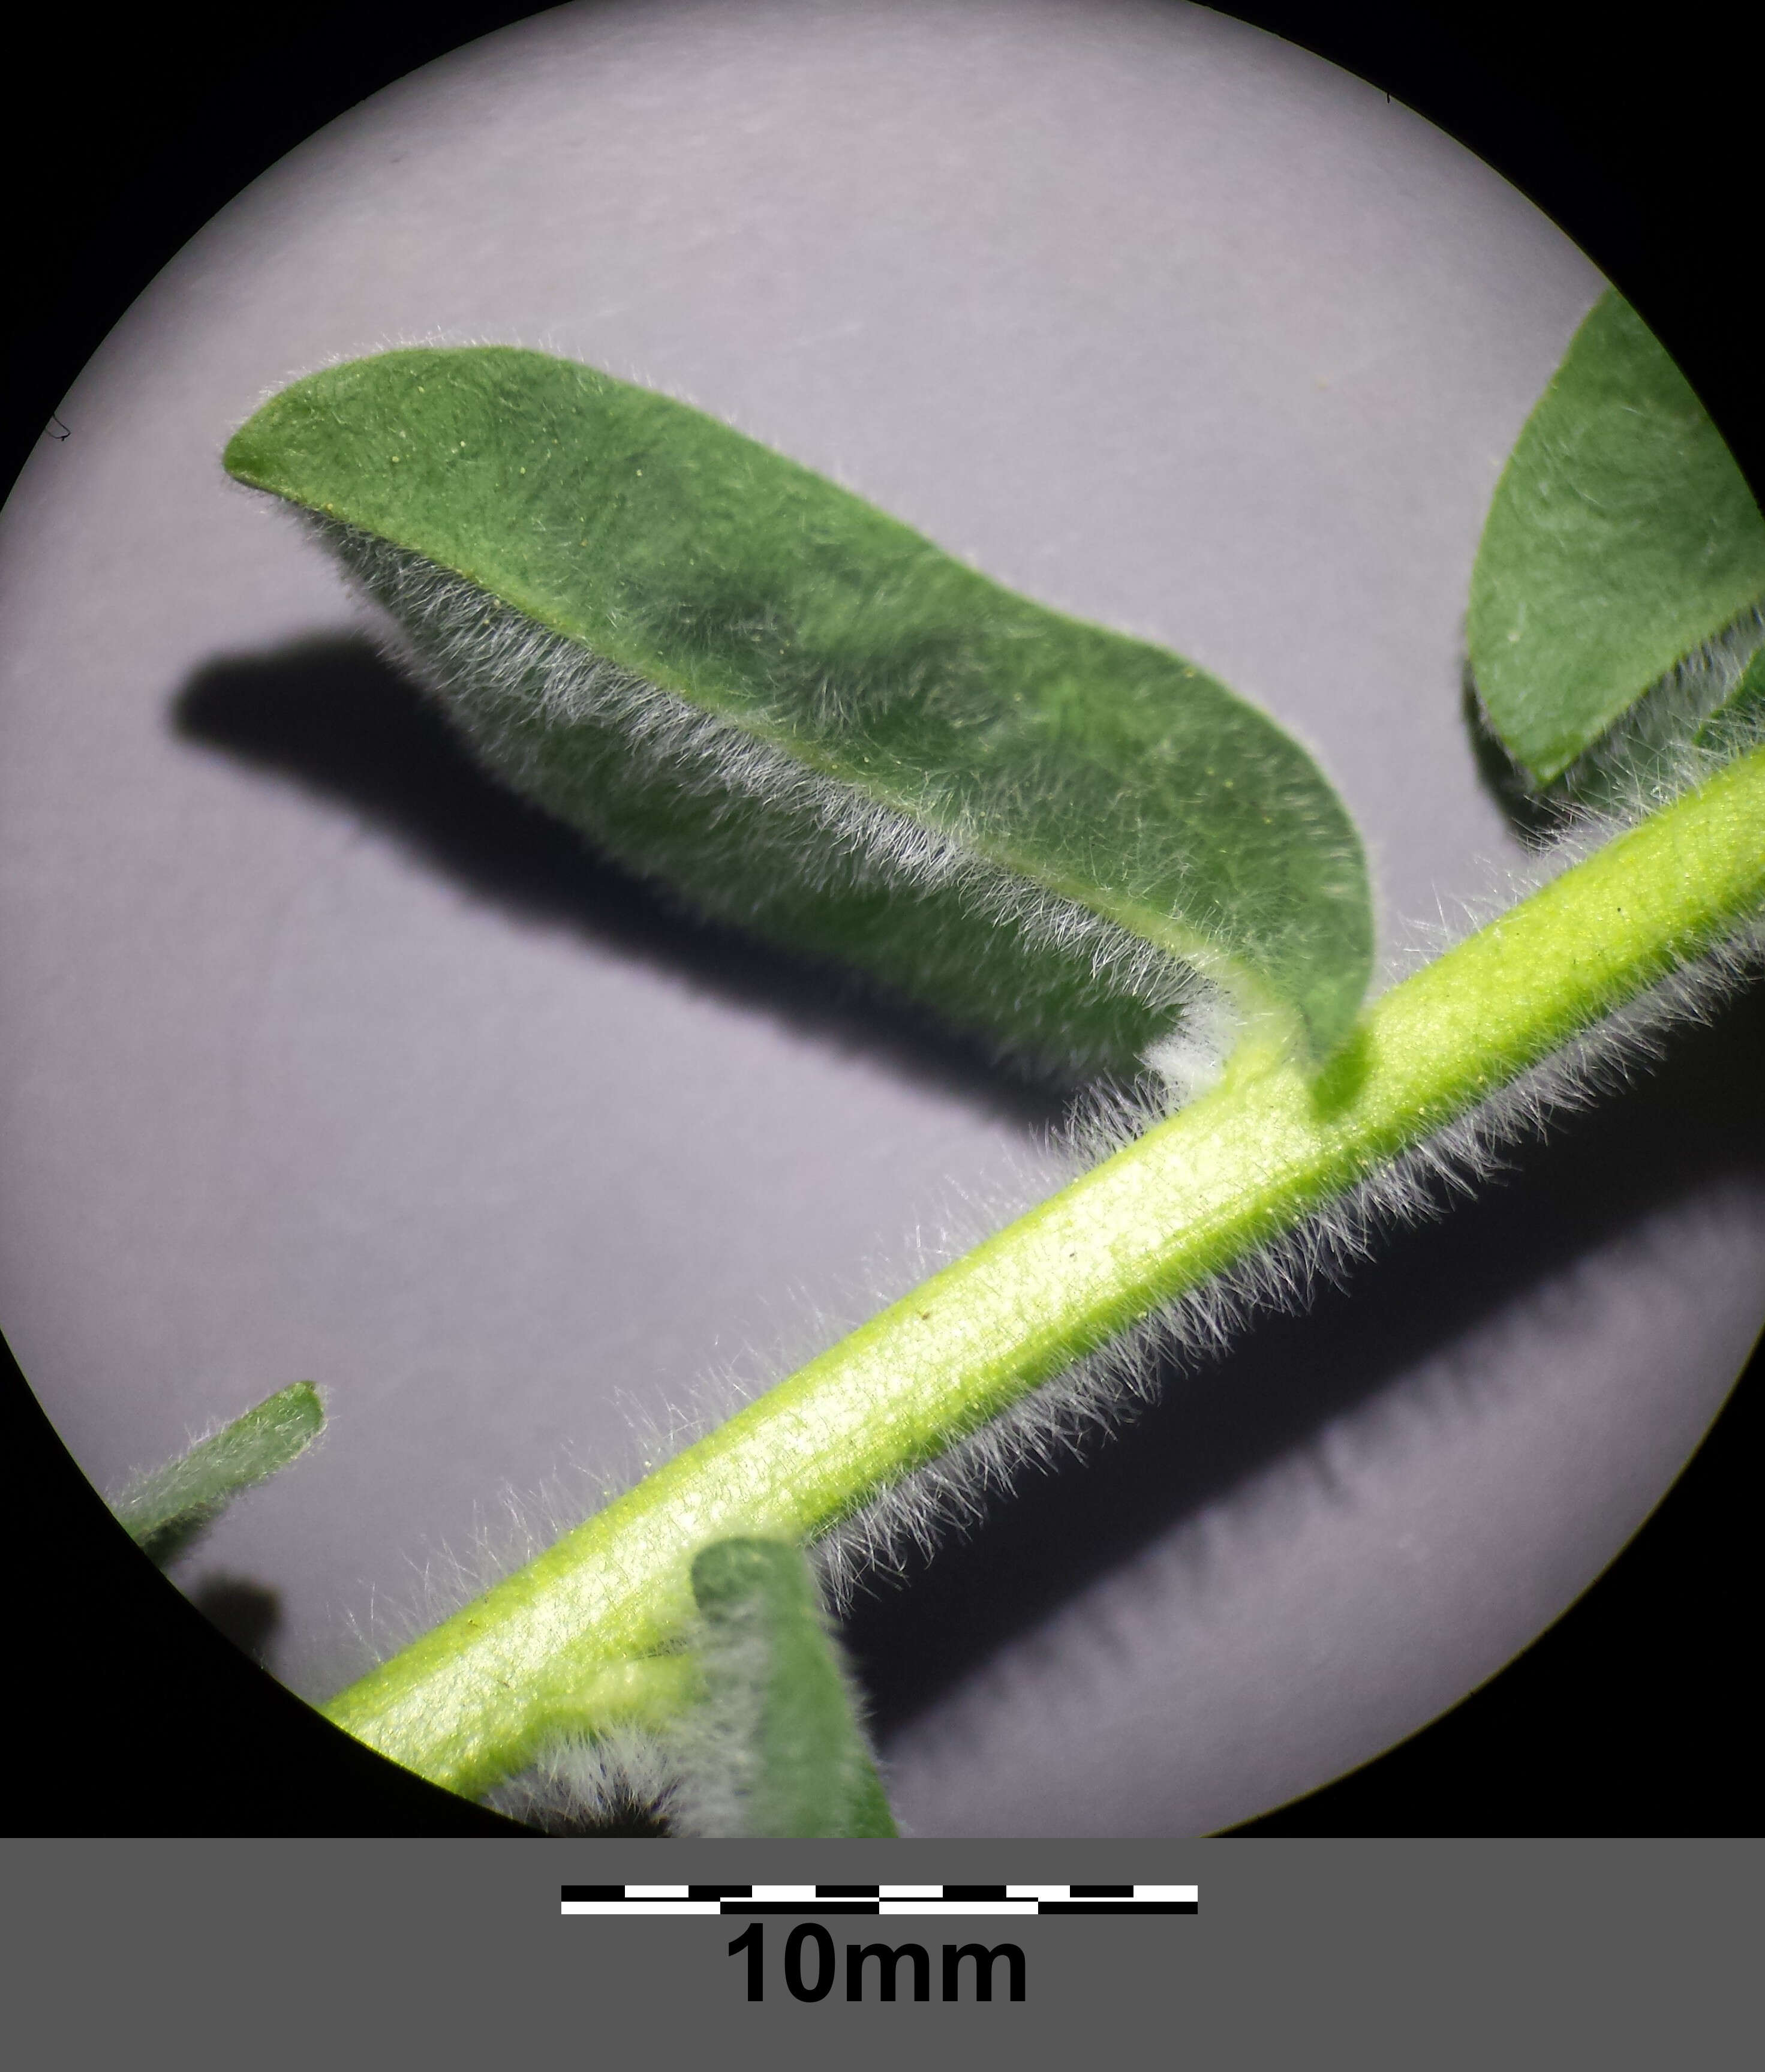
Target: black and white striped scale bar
[(920, 1899)]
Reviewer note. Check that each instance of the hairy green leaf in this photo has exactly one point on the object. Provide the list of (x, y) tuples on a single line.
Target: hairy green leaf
[(746, 681), (165, 1510), (1622, 537), (786, 1750)]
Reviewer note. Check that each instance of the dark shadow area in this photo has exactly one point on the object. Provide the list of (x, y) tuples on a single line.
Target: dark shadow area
[(245, 1612), (333, 716), (1698, 1118), (1634, 1714)]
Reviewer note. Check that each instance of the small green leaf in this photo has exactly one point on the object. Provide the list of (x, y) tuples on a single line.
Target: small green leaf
[(1622, 536), (746, 681), (784, 1754), (164, 1511)]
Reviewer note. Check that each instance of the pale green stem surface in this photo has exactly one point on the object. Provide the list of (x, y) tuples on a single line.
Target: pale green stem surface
[(470, 1701)]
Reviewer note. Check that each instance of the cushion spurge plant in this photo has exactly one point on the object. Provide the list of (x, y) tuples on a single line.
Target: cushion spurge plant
[(806, 719)]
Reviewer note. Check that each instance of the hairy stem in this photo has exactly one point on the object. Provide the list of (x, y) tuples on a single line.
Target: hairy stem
[(470, 1701)]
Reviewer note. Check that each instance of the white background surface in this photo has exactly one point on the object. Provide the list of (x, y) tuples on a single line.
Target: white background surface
[(322, 1060)]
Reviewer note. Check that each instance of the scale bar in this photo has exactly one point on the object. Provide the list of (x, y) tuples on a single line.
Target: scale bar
[(924, 1900)]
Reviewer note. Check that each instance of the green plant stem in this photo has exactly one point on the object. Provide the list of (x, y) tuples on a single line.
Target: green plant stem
[(472, 1700)]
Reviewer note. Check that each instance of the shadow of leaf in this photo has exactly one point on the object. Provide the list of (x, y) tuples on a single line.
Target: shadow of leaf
[(245, 1613), (333, 716), (1698, 1120)]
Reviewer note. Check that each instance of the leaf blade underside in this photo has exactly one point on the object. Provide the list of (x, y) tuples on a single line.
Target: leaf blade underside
[(1622, 536), (1120, 809)]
